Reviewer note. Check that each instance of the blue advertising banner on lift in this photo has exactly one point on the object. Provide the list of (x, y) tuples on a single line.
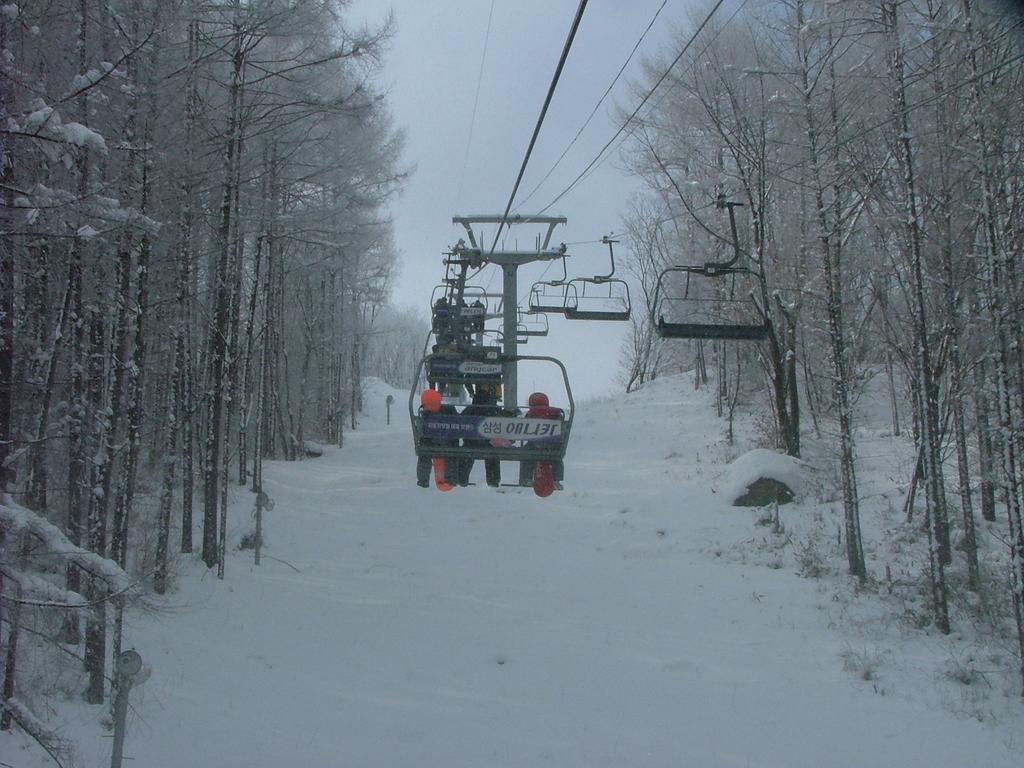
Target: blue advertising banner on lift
[(445, 427)]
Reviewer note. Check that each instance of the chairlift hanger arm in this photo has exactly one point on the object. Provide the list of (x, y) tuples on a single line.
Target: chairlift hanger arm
[(564, 278), (607, 240), (712, 267)]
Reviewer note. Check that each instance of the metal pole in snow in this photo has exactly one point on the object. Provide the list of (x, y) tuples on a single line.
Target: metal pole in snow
[(128, 671)]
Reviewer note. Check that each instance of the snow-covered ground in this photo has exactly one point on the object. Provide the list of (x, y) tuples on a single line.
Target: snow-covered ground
[(634, 619)]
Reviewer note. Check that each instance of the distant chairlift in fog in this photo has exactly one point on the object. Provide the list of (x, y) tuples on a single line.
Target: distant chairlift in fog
[(601, 297), (532, 324)]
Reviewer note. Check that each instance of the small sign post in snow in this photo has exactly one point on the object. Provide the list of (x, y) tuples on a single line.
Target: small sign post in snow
[(390, 399), (263, 501), (128, 670)]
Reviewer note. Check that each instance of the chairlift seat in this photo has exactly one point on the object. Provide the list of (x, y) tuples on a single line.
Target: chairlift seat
[(601, 297), (506, 436), (728, 332), (548, 297), (584, 314), (532, 324), (712, 318)]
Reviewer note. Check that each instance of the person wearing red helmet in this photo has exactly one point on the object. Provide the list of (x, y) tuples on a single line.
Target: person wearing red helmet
[(540, 408), (430, 403)]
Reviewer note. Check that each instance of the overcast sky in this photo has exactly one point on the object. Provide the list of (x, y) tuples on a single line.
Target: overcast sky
[(431, 76)]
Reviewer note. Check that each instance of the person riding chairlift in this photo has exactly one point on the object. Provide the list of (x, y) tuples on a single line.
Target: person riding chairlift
[(541, 409), (430, 403), (484, 404)]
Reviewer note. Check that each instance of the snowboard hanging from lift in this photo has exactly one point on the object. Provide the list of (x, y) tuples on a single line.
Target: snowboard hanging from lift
[(439, 478), (543, 478)]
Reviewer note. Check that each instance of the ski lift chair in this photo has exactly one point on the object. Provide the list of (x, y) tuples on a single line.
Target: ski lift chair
[(601, 297), (532, 324), (692, 314), (505, 437), (597, 298), (549, 295)]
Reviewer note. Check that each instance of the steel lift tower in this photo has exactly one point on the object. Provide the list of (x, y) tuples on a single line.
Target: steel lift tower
[(509, 261)]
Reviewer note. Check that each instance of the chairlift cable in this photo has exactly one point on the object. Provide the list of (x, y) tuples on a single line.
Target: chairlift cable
[(636, 111), (476, 100), (597, 106), (543, 113)]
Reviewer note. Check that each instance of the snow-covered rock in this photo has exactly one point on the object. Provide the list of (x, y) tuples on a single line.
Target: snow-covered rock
[(760, 477)]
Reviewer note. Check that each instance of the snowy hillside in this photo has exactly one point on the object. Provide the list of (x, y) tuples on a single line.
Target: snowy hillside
[(634, 619)]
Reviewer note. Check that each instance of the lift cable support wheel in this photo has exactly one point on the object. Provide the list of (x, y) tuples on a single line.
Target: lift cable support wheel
[(694, 311)]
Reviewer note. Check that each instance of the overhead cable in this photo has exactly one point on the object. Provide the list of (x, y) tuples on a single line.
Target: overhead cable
[(476, 100), (597, 106), (639, 106), (543, 112)]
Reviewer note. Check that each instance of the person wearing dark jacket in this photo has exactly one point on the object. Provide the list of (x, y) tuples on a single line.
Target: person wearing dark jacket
[(483, 404)]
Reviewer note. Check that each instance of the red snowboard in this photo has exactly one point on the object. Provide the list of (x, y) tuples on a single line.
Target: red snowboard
[(438, 463), (543, 478)]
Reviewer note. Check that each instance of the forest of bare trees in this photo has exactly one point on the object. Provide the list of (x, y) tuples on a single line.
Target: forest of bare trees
[(195, 266), (876, 148), (196, 262)]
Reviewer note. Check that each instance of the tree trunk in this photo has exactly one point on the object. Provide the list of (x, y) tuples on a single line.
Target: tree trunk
[(935, 497), (189, 405), (39, 474), (986, 449), (231, 377), (952, 331), (833, 304), (218, 328), (247, 376), (999, 266), (13, 630), (95, 629), (7, 288)]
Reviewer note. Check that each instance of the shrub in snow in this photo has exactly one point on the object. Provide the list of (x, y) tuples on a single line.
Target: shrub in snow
[(249, 539), (761, 477)]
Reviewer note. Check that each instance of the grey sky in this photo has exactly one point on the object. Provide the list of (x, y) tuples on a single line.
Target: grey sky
[(431, 74)]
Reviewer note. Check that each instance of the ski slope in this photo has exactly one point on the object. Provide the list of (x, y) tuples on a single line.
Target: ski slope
[(604, 626)]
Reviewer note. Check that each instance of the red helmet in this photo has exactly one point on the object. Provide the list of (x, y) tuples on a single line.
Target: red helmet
[(538, 399), (430, 400)]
